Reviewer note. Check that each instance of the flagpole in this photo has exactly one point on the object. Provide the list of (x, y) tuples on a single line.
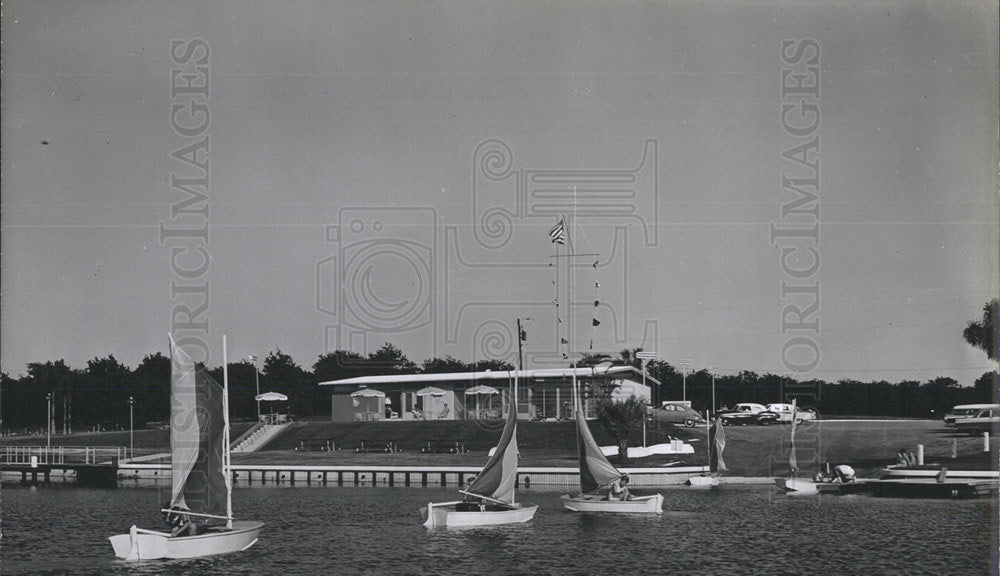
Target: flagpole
[(225, 435), (708, 438), (520, 355), (572, 276)]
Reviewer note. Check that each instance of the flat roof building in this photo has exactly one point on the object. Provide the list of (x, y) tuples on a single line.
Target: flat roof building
[(543, 394)]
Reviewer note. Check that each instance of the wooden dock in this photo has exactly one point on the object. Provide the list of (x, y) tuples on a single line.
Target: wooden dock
[(86, 466), (928, 488), (923, 482), (83, 475), (362, 475), (844, 489)]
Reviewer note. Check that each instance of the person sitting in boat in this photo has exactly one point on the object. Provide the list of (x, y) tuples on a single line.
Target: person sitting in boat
[(901, 458), (471, 504), (180, 523), (619, 489)]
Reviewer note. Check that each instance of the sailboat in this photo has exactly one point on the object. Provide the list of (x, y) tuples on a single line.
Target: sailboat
[(491, 495), (793, 485), (716, 464), (597, 472), (201, 487)]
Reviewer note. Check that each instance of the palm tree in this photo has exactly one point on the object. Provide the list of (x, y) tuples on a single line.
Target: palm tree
[(621, 418), (628, 357), (983, 334)]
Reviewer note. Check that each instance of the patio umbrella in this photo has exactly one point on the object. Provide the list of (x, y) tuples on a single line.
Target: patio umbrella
[(271, 397), (477, 390), (367, 393), (482, 390), (431, 391)]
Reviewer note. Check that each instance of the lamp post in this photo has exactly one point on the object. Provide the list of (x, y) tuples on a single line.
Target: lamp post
[(256, 379), (131, 427), (48, 420), (685, 362), (646, 357), (711, 370)]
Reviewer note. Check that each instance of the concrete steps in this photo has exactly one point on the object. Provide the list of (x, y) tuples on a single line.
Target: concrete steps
[(259, 437)]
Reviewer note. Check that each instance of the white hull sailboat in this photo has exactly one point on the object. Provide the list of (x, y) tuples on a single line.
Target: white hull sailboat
[(594, 503), (491, 494), (458, 514), (201, 487), (597, 472), (142, 544), (795, 486)]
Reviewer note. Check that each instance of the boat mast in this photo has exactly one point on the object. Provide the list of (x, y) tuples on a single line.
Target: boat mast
[(520, 339), (225, 435), (513, 494)]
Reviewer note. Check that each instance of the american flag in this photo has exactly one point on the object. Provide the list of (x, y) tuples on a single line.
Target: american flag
[(558, 233)]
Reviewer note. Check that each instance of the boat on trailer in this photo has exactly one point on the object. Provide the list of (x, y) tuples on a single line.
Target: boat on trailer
[(490, 498), (597, 472), (201, 487)]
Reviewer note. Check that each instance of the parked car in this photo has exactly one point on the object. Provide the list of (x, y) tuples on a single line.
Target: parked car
[(767, 418), (670, 413), (742, 414), (784, 412), (987, 420), (965, 411)]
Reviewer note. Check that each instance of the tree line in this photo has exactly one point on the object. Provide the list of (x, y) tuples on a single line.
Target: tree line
[(98, 395)]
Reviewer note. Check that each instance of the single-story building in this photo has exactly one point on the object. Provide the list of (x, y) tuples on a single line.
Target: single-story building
[(544, 394)]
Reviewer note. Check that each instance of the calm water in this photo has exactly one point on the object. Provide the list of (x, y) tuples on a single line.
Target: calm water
[(730, 530)]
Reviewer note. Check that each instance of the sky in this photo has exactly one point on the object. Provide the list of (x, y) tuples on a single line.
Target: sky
[(389, 172)]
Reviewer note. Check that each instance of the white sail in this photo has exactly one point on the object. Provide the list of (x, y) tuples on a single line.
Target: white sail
[(595, 470), (197, 438), (792, 461), (497, 478)]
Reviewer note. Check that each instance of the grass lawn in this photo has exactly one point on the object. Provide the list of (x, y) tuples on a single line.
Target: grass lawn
[(145, 441), (750, 451)]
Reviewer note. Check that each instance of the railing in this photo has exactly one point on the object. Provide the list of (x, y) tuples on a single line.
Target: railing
[(53, 455), (248, 442), (250, 432)]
